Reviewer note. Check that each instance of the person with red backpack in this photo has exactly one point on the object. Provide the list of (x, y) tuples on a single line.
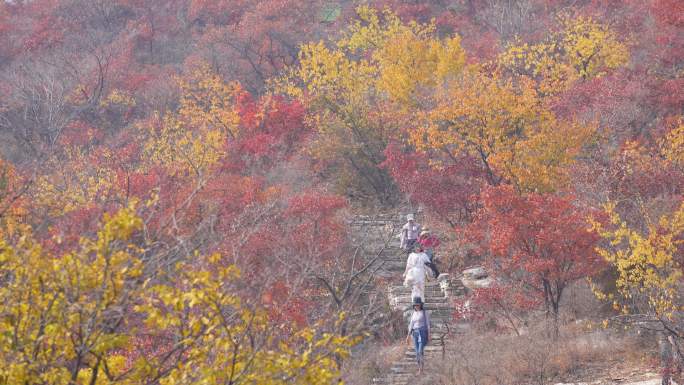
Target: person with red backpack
[(429, 243)]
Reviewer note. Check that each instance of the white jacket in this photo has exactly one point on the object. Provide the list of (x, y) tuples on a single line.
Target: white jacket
[(415, 266)]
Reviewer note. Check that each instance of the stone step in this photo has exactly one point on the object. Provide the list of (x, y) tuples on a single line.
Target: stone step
[(432, 304), (429, 285), (430, 298), (437, 311), (431, 291), (399, 287), (431, 295), (377, 235), (407, 363), (435, 314), (399, 284)]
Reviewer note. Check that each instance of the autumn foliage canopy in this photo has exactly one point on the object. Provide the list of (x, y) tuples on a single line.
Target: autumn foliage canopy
[(176, 177)]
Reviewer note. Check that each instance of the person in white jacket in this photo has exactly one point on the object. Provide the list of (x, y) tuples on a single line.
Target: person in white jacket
[(414, 274)]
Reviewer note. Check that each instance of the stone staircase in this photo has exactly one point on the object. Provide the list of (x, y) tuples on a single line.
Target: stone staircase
[(380, 233)]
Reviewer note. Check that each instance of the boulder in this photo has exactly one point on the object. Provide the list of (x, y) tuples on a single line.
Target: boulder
[(475, 272), (476, 278)]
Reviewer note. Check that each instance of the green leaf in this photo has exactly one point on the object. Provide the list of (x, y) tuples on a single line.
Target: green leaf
[(330, 12)]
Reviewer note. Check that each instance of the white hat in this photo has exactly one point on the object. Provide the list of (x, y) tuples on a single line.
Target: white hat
[(409, 217)]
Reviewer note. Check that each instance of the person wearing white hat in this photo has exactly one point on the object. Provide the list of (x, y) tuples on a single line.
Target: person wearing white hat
[(409, 233)]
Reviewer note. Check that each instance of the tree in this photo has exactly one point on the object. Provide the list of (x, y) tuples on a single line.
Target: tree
[(672, 144), (216, 338), (79, 318), (359, 89), (449, 193), (649, 276), (583, 49), (194, 139), (506, 128), (64, 318), (272, 131), (252, 41), (497, 306), (536, 244)]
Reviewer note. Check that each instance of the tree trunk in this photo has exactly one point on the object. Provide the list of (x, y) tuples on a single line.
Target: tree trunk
[(665, 357)]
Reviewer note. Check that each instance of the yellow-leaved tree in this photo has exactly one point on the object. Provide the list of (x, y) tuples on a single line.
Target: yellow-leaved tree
[(361, 91), (648, 263), (194, 138), (63, 317), (506, 127), (98, 315), (90, 180), (672, 144), (218, 339), (186, 142)]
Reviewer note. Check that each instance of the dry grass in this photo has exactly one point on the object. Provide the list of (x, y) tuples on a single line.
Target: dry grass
[(534, 358), (375, 357), (486, 357), (374, 361)]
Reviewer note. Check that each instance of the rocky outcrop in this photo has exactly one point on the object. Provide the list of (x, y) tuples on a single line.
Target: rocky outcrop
[(476, 278)]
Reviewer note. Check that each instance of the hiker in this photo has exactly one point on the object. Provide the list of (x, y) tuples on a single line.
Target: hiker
[(409, 233), (414, 275), (419, 329), (429, 243)]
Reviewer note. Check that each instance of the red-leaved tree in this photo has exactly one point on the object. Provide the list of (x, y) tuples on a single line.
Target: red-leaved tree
[(450, 193), (537, 244)]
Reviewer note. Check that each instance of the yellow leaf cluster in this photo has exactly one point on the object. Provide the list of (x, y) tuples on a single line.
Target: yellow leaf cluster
[(194, 138), (75, 182), (227, 342), (362, 88), (591, 48), (505, 126), (118, 97), (583, 49), (672, 145), (405, 56), (64, 320), (378, 59), (648, 263), (58, 311)]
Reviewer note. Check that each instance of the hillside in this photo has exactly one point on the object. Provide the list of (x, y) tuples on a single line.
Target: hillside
[(219, 191)]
